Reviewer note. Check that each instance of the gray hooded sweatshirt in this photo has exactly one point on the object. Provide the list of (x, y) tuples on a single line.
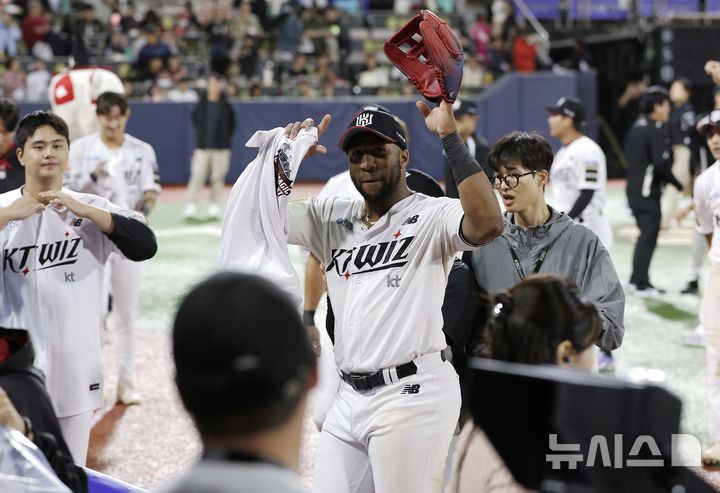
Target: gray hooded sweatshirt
[(571, 251)]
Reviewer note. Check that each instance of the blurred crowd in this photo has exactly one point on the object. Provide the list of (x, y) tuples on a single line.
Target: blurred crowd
[(264, 47)]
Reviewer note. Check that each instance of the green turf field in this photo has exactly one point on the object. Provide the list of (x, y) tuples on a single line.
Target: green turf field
[(654, 328)]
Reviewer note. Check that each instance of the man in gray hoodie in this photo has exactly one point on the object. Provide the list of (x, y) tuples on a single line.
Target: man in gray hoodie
[(537, 238)]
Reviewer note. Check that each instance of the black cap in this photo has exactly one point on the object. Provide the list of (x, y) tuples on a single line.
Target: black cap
[(380, 123), (464, 107), (570, 107), (419, 181), (239, 345), (712, 119)]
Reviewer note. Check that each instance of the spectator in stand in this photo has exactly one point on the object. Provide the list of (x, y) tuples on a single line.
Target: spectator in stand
[(150, 21), (244, 23), (186, 22), (481, 33), (299, 66), (374, 76), (38, 81), (501, 15), (221, 43), (9, 34), (12, 173), (13, 80), (524, 54), (128, 23), (498, 58), (316, 31), (338, 42), (183, 93), (118, 48), (473, 73), (87, 33), (153, 48), (290, 31), (247, 57), (175, 69), (35, 26)]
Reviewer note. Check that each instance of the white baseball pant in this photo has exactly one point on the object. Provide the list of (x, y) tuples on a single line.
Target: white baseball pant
[(393, 438), (76, 431), (124, 282), (711, 323)]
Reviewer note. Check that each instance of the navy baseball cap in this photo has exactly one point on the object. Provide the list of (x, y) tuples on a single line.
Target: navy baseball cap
[(570, 107), (375, 121), (464, 107), (419, 181), (704, 124)]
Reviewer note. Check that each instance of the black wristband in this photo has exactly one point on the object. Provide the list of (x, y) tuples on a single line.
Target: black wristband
[(462, 163), (309, 317), (93, 177)]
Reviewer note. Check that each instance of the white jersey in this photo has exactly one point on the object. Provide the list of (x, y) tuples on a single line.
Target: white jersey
[(341, 186), (53, 266), (387, 283), (579, 166), (707, 208), (73, 94), (131, 169), (255, 231)]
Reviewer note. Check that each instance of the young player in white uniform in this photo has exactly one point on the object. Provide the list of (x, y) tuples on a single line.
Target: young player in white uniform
[(73, 94), (578, 177), (123, 169), (707, 209), (387, 261), (55, 243)]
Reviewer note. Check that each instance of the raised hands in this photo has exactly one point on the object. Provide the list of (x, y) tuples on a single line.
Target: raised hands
[(292, 130)]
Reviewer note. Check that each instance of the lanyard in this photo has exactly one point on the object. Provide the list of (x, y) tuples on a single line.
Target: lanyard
[(538, 262)]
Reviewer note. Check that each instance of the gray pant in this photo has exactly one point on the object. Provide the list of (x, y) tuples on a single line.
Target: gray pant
[(216, 162)]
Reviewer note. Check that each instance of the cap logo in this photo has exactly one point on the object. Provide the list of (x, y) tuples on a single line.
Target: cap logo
[(561, 102), (364, 120)]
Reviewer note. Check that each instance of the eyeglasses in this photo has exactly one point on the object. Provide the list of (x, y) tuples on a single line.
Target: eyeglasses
[(510, 180)]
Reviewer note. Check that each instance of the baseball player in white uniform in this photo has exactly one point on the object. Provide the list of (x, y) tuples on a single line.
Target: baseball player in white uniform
[(123, 169), (73, 94), (387, 260), (55, 243), (578, 177), (707, 209)]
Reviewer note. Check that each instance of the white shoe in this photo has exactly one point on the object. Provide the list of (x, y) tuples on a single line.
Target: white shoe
[(126, 394), (214, 211), (649, 292), (190, 211)]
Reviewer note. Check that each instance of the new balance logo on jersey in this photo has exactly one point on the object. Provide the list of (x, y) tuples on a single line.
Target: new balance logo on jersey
[(411, 389), (348, 224), (410, 220), (49, 255), (364, 119), (283, 183), (371, 258)]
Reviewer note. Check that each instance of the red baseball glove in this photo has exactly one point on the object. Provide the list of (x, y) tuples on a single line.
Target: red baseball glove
[(434, 63)]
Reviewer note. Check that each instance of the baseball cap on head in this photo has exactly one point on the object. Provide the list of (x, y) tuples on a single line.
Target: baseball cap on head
[(421, 182), (708, 121), (380, 123), (464, 107), (239, 345), (570, 107)]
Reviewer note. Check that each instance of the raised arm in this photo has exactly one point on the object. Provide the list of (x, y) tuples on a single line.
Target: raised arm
[(483, 220)]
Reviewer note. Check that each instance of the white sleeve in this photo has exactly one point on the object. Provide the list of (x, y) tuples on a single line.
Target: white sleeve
[(703, 213), (76, 177), (150, 175), (450, 215), (305, 225), (591, 169), (255, 229)]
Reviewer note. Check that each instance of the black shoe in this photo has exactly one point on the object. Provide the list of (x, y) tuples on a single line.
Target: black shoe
[(690, 288)]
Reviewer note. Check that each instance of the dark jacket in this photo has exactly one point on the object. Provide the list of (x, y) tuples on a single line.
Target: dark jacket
[(647, 148), (682, 125), (12, 174), (26, 389), (224, 126)]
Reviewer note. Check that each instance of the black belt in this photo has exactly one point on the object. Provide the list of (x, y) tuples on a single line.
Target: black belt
[(368, 381)]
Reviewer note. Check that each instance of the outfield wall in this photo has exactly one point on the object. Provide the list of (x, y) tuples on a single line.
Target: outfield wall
[(515, 102)]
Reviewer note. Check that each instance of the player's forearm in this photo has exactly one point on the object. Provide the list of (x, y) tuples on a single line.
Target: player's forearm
[(581, 203), (101, 218), (483, 219), (4, 218), (133, 237), (708, 239)]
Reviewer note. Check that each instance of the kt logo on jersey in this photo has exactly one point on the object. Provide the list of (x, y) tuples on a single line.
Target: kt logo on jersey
[(55, 254)]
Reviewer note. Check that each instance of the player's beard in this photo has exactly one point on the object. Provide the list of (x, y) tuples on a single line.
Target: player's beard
[(390, 185)]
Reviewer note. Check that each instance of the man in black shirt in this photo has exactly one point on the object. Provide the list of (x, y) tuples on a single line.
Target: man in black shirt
[(647, 148), (12, 174)]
